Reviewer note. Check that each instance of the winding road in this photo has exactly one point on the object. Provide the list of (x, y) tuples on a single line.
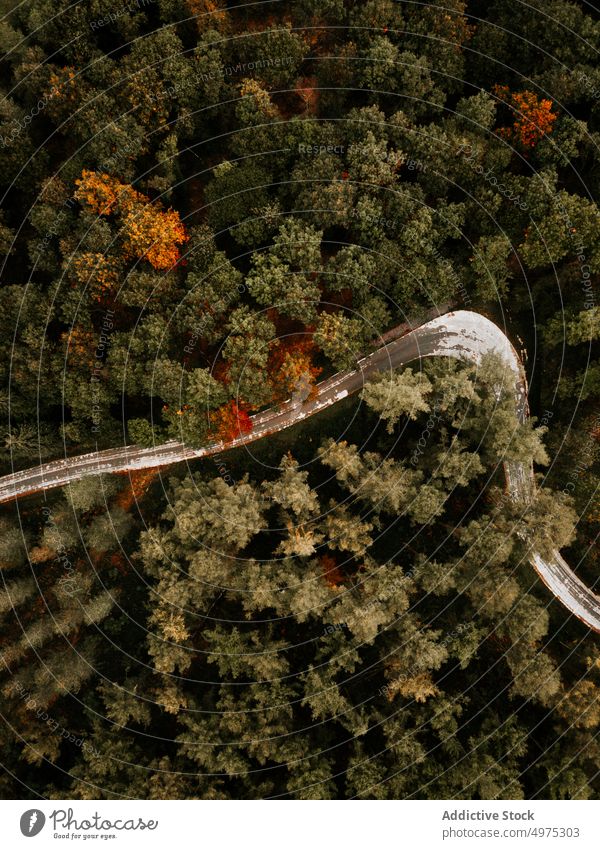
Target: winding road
[(463, 335)]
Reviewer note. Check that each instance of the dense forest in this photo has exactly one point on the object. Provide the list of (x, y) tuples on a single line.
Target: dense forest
[(205, 206)]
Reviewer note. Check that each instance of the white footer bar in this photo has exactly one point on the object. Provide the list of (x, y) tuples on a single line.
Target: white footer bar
[(301, 825)]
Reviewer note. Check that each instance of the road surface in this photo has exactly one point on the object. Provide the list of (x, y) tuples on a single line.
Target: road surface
[(463, 335)]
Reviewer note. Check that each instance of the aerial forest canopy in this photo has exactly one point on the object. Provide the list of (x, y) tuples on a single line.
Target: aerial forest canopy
[(208, 208)]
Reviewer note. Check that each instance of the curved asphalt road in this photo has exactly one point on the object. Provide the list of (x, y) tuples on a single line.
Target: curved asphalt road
[(462, 334)]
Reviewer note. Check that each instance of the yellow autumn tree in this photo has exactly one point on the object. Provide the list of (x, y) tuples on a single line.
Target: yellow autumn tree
[(154, 235), (209, 14), (79, 345), (149, 232), (97, 271)]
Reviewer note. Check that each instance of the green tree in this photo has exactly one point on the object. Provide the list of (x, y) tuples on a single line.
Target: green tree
[(398, 394)]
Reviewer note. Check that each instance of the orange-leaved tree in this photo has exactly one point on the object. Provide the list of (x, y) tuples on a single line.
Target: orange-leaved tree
[(80, 346), (533, 118), (149, 232), (291, 367), (209, 14), (331, 572), (229, 421)]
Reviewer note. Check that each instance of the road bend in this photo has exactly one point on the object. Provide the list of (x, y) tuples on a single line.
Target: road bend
[(462, 335)]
